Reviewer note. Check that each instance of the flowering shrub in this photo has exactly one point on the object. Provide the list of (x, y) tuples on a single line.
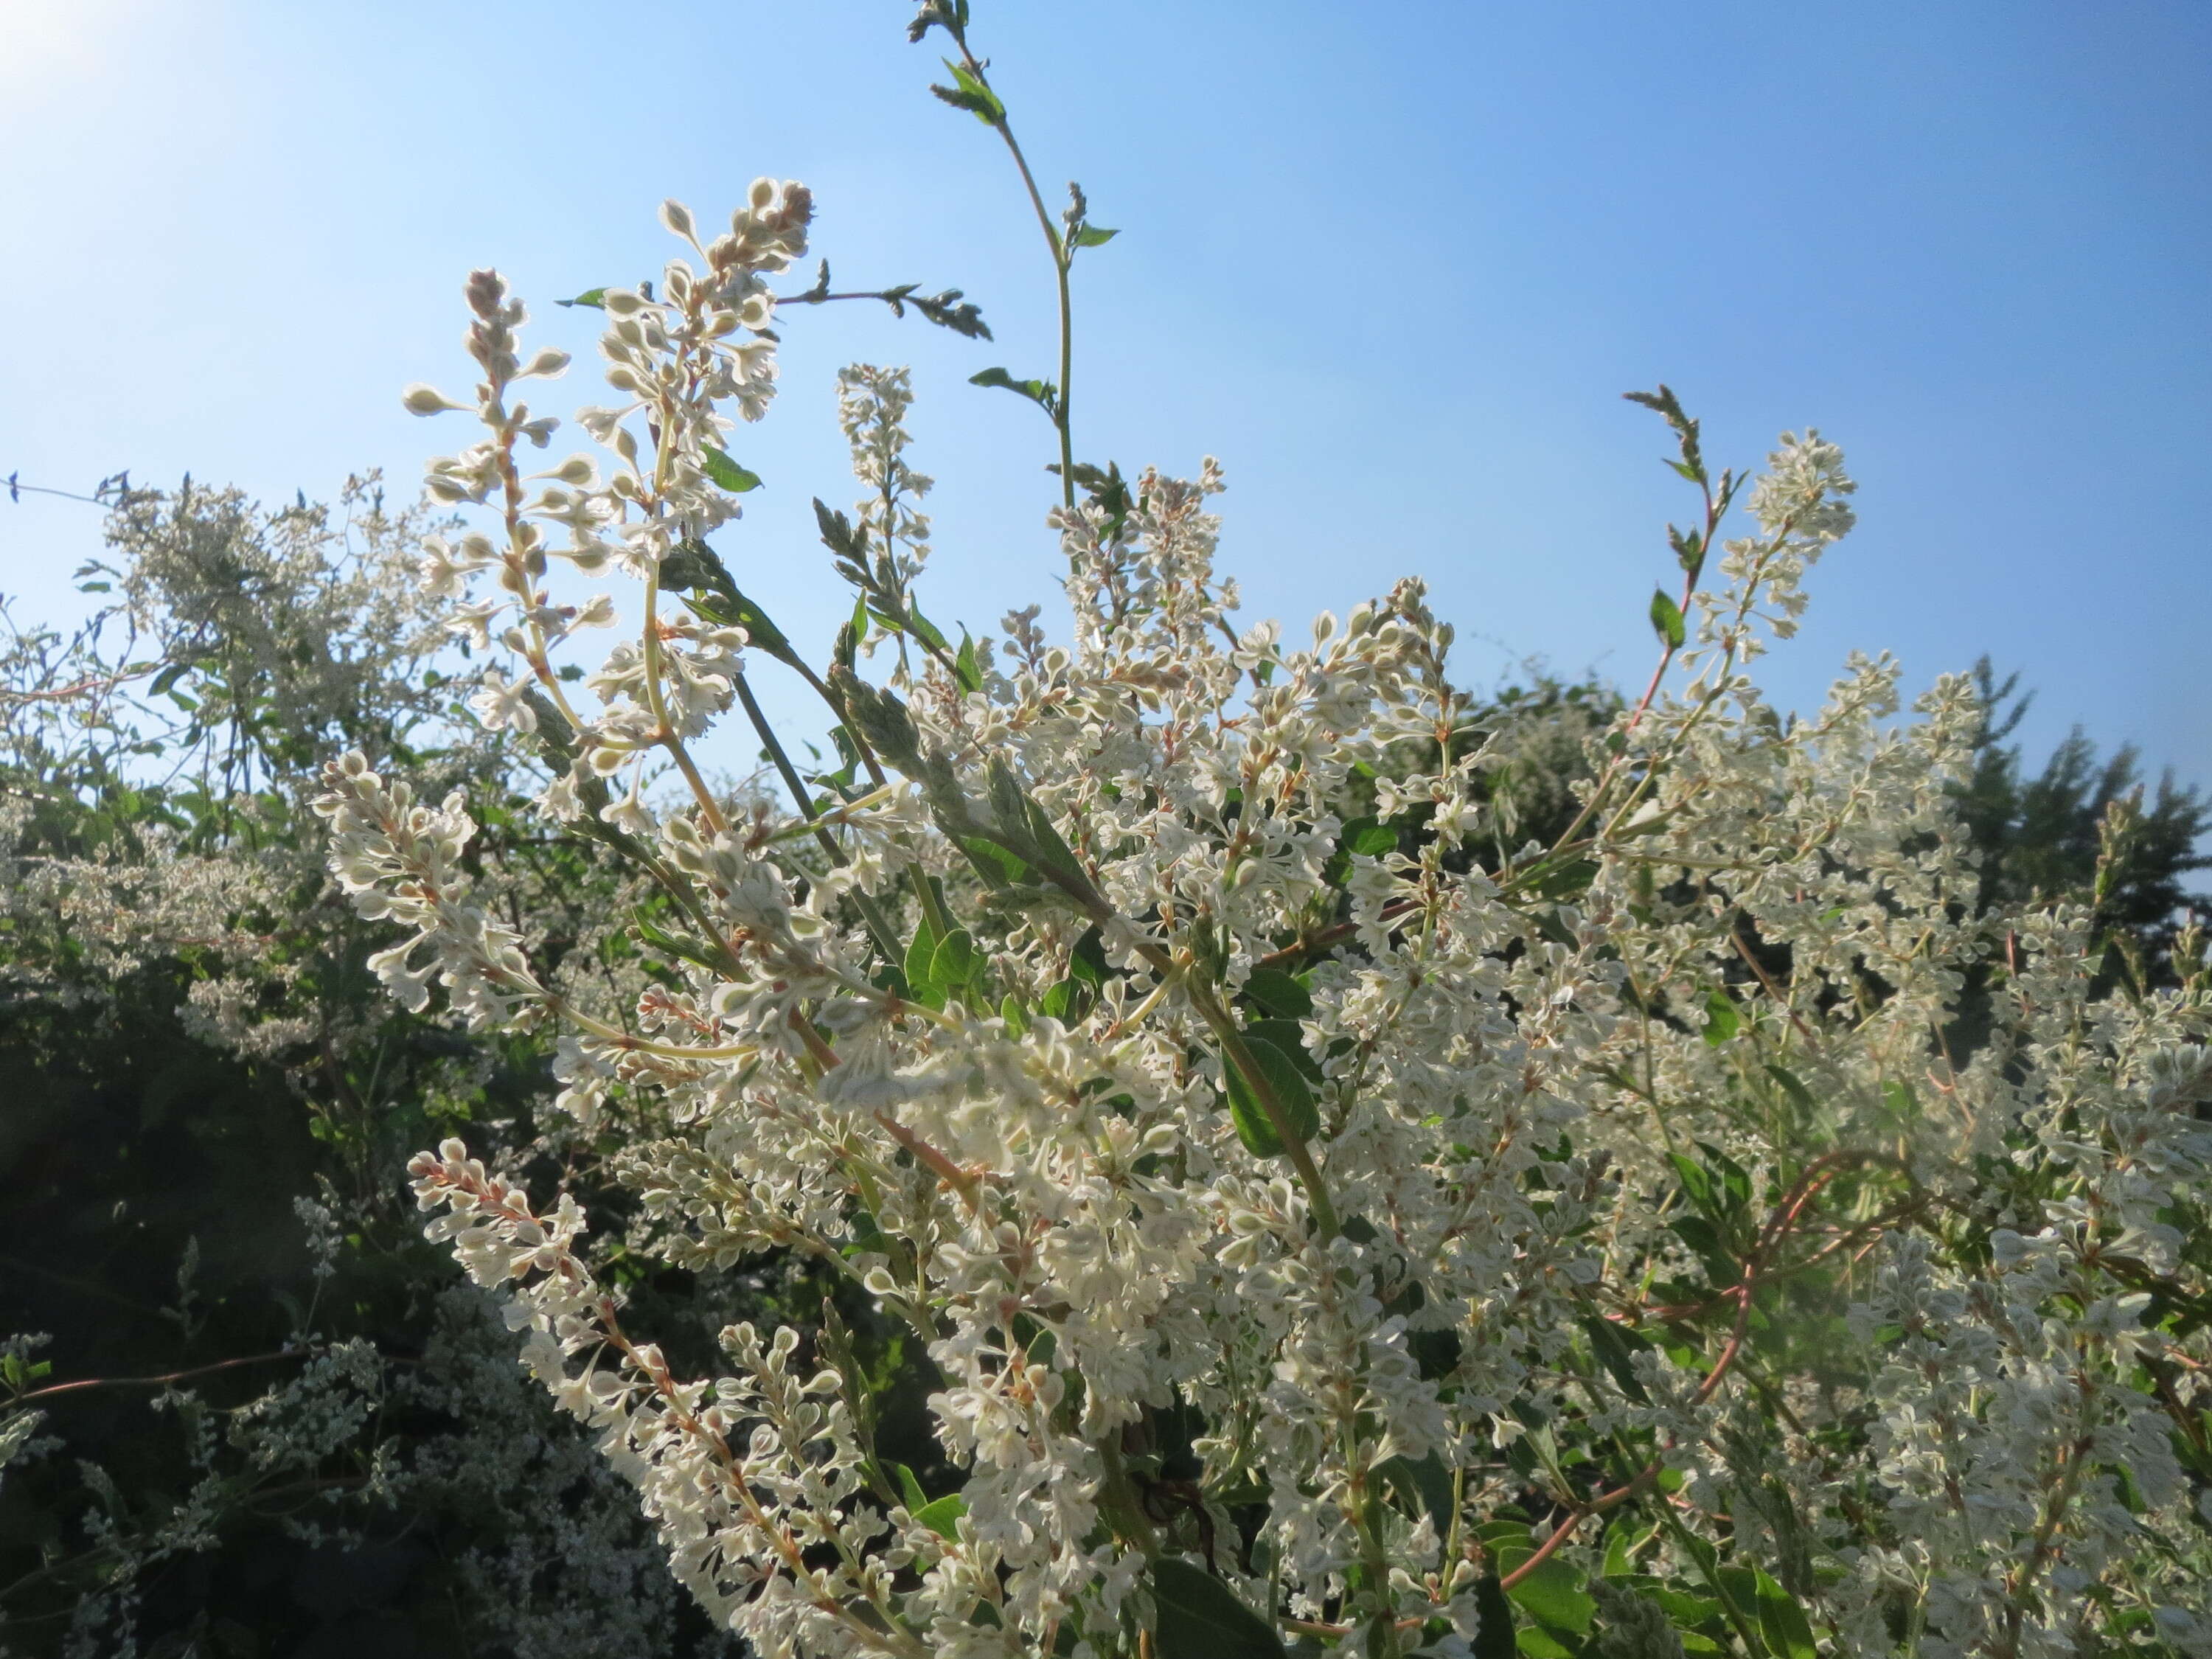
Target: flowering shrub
[(197, 1446), (1334, 1213)]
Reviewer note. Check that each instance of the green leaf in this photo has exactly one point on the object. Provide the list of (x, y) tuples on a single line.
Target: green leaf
[(594, 297), (1046, 839), (1615, 1349), (1196, 1616), (1290, 1036), (1782, 1622), (1695, 1180), (1685, 1609), (956, 961), (1552, 1593), (1360, 835), (1016, 1016), (1702, 1236), (967, 92), (1800, 1096), (1366, 835), (1535, 1644), (1039, 392), (1073, 997), (695, 570), (758, 628), (1494, 1633), (1086, 962), (995, 864), (1564, 881), (675, 944), (926, 630), (1095, 236), (727, 473), (167, 677), (1254, 1127), (1721, 1018), (1423, 1486), (1278, 993), (965, 667), (942, 1515), (910, 1489), (1667, 620), (1736, 1180), (919, 953)]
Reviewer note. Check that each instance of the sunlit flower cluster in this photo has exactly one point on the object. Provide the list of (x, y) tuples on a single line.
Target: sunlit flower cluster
[(1302, 1178)]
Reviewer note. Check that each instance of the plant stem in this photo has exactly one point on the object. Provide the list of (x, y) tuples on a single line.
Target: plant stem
[(1061, 259)]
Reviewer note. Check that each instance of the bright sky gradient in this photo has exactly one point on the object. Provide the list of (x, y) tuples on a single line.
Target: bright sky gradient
[(1392, 264)]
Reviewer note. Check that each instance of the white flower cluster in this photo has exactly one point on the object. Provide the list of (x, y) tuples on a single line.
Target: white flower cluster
[(1293, 1177)]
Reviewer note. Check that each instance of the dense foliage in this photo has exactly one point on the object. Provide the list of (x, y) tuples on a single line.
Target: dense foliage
[(1185, 1142)]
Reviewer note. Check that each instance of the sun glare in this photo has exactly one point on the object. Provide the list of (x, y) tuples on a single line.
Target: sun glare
[(51, 46)]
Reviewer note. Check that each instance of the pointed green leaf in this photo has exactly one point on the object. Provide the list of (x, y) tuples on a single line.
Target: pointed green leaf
[(1721, 1018), (1667, 620), (1695, 1180), (919, 952), (910, 1489), (594, 297), (1086, 963), (1278, 993), (956, 961), (926, 630), (1800, 1096), (942, 1515), (965, 666), (1554, 1592), (1290, 1036), (1366, 835), (1494, 1633), (727, 473), (1426, 1487), (674, 944), (1055, 851), (967, 92), (1095, 236), (1196, 1616), (1254, 1127), (1782, 1622), (1039, 392), (1615, 1349), (994, 863)]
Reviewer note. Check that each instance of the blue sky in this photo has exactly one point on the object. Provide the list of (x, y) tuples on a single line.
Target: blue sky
[(1392, 264)]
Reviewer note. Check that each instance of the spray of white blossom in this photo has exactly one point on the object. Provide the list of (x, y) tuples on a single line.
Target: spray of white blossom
[(1317, 1228)]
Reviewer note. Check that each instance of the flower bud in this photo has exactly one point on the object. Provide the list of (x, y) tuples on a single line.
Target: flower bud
[(419, 399)]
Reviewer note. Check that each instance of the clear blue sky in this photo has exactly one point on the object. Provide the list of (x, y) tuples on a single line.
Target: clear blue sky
[(1392, 264)]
